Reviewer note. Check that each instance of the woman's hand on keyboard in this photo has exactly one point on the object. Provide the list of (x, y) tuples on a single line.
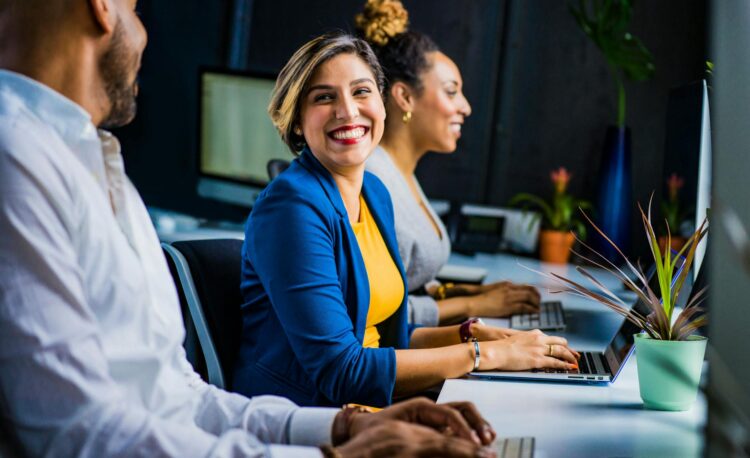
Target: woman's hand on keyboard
[(528, 350), (505, 300)]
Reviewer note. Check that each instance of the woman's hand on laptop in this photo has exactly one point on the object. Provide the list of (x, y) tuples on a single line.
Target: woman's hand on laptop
[(505, 300), (528, 350)]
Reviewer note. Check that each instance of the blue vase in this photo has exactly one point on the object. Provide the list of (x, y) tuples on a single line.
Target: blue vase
[(615, 197)]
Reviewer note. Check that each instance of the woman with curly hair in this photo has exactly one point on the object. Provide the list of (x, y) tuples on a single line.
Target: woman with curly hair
[(426, 109)]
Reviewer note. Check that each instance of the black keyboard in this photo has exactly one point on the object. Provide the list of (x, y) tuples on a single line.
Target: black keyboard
[(586, 365)]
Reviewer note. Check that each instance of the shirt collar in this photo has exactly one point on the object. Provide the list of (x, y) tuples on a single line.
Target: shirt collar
[(67, 118), (308, 160)]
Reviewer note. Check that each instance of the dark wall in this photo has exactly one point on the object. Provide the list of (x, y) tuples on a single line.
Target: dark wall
[(540, 91), (160, 146), (558, 96)]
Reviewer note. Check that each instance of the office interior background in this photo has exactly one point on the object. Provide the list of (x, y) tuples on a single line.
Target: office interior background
[(542, 97), (541, 93)]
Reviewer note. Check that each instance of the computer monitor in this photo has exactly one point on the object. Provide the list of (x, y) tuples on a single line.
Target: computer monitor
[(236, 137), (728, 430), (705, 172), (688, 152)]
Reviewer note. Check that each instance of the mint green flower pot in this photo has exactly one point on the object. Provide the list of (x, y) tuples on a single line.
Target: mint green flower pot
[(669, 371)]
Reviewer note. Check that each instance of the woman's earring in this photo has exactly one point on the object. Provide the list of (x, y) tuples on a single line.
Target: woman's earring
[(298, 131), (406, 117)]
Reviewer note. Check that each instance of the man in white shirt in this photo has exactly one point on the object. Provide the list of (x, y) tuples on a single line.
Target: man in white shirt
[(91, 361)]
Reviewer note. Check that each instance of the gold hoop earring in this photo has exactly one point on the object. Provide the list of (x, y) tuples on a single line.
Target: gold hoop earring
[(406, 117)]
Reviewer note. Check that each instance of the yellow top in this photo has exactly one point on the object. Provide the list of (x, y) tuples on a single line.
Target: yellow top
[(386, 284)]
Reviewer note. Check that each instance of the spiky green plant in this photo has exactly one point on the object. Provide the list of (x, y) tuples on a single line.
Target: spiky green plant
[(657, 324)]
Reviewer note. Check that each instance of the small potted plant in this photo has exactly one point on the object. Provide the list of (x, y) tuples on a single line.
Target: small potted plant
[(670, 356), (672, 213), (558, 218)]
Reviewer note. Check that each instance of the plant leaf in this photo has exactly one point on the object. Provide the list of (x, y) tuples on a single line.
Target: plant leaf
[(535, 200)]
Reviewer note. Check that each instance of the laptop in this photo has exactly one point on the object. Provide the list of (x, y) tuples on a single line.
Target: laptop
[(594, 367), (550, 318)]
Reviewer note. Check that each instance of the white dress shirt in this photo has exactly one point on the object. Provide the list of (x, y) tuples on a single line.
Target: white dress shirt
[(91, 357)]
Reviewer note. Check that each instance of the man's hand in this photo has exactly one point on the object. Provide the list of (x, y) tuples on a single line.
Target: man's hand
[(461, 419), (393, 438)]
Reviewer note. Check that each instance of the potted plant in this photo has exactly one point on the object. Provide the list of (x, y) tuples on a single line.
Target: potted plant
[(672, 213), (670, 356), (606, 22), (558, 218)]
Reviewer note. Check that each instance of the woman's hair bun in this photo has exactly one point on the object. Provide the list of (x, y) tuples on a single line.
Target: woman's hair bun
[(382, 20)]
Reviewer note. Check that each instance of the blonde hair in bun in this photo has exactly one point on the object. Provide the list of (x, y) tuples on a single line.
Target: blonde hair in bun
[(382, 20)]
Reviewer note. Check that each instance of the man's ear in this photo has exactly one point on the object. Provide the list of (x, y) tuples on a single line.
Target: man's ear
[(403, 95), (103, 12)]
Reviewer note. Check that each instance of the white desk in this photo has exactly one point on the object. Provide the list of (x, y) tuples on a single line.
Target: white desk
[(590, 325), (577, 420)]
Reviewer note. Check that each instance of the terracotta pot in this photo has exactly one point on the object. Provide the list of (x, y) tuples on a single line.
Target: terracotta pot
[(677, 242), (554, 246)]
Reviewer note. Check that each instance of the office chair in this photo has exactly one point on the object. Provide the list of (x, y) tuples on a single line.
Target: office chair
[(208, 272), (191, 344), (275, 167)]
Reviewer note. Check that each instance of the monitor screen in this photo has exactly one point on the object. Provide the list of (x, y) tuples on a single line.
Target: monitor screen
[(237, 138), (688, 155)]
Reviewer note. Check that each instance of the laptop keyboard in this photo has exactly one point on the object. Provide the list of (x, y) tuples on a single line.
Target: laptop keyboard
[(550, 316), (586, 365), (515, 447)]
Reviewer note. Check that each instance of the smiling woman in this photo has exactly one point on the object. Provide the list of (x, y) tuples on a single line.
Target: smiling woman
[(324, 318), (342, 113), (426, 109)]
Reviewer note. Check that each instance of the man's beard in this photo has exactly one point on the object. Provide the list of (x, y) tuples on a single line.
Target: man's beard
[(115, 68)]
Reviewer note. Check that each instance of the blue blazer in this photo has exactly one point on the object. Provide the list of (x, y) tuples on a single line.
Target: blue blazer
[(307, 295)]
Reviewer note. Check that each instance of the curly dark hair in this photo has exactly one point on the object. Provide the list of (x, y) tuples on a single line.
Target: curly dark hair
[(402, 53)]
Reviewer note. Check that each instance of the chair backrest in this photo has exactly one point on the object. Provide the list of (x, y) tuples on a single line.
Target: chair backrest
[(209, 276), (275, 167), (191, 344)]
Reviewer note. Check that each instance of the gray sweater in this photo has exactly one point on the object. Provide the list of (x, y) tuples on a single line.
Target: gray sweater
[(422, 251)]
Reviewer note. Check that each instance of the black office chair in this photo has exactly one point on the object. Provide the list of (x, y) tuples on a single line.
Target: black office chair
[(208, 272), (275, 167)]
